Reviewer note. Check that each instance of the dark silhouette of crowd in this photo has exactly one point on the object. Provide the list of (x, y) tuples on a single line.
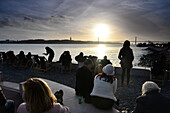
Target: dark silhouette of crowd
[(96, 83)]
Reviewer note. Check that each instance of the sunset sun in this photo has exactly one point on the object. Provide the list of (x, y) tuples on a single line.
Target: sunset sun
[(101, 31)]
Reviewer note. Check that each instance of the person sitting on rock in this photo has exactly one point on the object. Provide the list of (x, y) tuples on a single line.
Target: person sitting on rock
[(80, 59), (50, 52), (105, 61), (151, 100), (105, 86), (6, 106), (38, 98), (84, 80)]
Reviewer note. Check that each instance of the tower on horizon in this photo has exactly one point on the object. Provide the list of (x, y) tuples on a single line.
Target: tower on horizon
[(135, 40)]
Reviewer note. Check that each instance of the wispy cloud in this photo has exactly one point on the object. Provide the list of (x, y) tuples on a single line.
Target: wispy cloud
[(148, 19)]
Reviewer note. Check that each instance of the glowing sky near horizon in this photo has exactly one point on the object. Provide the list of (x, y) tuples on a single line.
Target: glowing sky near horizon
[(110, 20)]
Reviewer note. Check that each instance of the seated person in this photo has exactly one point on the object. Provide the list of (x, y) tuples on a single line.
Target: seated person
[(6, 106), (84, 79), (49, 52), (151, 100), (80, 59), (105, 85), (29, 58), (66, 61), (38, 98), (105, 61)]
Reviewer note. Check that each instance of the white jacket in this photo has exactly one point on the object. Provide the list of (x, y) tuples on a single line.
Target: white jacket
[(104, 89)]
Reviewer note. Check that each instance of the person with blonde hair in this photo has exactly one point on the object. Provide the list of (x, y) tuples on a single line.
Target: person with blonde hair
[(38, 98), (151, 100)]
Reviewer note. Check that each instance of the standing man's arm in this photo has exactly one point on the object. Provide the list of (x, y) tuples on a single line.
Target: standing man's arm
[(132, 55), (120, 55)]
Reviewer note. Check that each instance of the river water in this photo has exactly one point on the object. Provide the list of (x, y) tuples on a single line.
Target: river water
[(99, 50)]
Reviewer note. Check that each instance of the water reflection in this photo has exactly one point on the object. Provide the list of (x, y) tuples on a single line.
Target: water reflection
[(100, 51)]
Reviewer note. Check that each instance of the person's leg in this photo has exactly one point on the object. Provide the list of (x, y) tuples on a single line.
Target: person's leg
[(128, 76), (122, 76), (50, 58)]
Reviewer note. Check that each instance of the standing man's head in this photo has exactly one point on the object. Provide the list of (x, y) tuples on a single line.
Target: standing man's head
[(88, 63), (126, 43)]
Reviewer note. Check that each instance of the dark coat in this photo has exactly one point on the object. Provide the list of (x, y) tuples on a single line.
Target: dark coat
[(50, 52), (126, 57), (84, 82), (2, 98), (153, 102)]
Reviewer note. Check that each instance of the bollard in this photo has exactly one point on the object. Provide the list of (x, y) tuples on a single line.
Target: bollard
[(1, 76)]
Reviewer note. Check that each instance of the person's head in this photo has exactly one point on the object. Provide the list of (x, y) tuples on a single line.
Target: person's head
[(150, 86), (105, 57), (29, 53), (21, 52), (47, 48), (88, 63), (126, 43), (109, 70), (37, 96), (68, 52), (81, 53)]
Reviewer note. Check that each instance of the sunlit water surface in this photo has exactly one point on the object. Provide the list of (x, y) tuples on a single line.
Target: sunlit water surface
[(99, 50)]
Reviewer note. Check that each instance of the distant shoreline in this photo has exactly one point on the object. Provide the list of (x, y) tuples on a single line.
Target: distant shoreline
[(42, 41)]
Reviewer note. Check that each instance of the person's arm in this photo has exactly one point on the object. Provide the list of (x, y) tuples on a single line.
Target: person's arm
[(132, 55), (120, 55), (2, 98), (63, 109), (139, 108)]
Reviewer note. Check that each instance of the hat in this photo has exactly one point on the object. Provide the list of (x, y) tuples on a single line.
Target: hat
[(109, 70), (149, 86)]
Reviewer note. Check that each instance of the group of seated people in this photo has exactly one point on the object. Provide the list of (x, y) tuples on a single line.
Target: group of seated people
[(100, 90), (97, 64), (38, 97), (25, 61)]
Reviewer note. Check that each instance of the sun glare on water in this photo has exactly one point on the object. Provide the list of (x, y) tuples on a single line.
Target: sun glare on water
[(101, 31), (101, 49)]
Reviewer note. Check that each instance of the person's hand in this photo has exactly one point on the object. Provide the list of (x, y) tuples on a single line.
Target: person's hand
[(44, 54)]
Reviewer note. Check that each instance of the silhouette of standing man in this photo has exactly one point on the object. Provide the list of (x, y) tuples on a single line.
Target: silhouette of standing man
[(50, 52), (126, 57)]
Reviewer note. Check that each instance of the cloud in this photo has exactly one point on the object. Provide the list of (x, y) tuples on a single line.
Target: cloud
[(64, 18)]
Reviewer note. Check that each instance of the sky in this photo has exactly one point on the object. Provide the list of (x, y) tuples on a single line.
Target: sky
[(87, 20)]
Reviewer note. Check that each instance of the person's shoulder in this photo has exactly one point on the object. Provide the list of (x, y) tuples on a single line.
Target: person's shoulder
[(141, 99), (60, 108), (22, 105), (22, 108)]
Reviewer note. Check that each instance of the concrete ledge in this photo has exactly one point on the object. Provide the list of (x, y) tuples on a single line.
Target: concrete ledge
[(71, 100), (10, 86), (135, 71)]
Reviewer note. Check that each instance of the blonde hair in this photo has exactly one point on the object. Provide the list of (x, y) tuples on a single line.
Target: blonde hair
[(149, 86), (37, 96)]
